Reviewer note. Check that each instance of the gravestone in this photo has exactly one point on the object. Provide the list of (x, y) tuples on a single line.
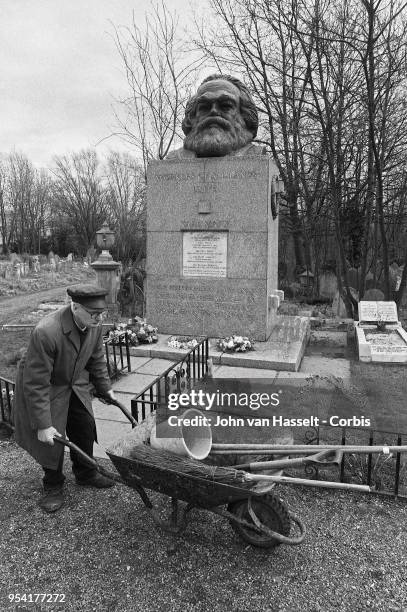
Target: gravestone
[(373, 311), (353, 278), (338, 305), (91, 254), (328, 284), (380, 336), (17, 268), (373, 295), (36, 264), (212, 246)]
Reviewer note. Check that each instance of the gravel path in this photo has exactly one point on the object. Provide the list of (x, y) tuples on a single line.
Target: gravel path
[(103, 552), (10, 307)]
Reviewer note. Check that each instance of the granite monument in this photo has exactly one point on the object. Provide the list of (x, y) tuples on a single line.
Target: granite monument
[(212, 232)]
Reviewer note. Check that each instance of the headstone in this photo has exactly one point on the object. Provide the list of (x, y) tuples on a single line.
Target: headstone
[(17, 270), (8, 272), (328, 285), (395, 273), (15, 258), (373, 311), (90, 254), (338, 305), (374, 295), (353, 278), (380, 343), (36, 264), (211, 246)]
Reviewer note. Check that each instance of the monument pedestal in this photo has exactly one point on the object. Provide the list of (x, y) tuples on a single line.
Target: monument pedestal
[(212, 246)]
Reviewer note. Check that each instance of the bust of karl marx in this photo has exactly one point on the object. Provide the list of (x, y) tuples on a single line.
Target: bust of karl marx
[(221, 119)]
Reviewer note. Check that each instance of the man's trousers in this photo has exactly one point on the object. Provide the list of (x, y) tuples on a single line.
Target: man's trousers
[(81, 430)]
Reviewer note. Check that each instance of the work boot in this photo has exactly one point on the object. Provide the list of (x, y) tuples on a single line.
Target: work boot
[(52, 499), (97, 480)]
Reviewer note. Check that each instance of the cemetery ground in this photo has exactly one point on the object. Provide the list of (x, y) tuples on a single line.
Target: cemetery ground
[(68, 273), (103, 552)]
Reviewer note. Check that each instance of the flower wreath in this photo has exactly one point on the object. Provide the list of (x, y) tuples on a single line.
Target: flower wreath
[(138, 331), (182, 342), (235, 344)]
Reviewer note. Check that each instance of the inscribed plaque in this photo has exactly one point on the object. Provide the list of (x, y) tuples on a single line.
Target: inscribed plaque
[(205, 254), (373, 311)]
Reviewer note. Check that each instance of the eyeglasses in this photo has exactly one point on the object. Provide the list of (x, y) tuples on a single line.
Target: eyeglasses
[(95, 315)]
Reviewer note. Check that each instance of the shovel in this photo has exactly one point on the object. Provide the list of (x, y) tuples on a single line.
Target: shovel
[(325, 457)]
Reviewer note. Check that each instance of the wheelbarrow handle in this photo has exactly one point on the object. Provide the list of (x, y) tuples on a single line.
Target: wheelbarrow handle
[(89, 460), (106, 399)]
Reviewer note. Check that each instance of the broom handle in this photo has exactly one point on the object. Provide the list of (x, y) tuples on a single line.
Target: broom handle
[(308, 483), (306, 449)]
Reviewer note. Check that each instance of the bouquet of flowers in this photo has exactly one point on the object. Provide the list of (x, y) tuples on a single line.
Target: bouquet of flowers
[(138, 331), (146, 333), (182, 342), (235, 344)]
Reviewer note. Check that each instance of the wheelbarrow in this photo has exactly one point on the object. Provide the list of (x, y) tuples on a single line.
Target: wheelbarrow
[(255, 513)]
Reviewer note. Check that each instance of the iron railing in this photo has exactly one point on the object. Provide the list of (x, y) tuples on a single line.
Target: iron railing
[(7, 389), (386, 474), (178, 378), (117, 353)]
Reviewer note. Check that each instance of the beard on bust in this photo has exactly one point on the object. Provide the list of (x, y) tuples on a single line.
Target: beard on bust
[(216, 137)]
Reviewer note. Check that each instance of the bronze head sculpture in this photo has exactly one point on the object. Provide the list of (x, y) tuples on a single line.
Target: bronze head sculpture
[(220, 119)]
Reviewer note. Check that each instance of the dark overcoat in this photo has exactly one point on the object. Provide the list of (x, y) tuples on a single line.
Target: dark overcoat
[(56, 365)]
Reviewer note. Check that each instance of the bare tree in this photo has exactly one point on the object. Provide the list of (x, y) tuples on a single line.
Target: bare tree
[(80, 195), (329, 79), (126, 203), (24, 203), (254, 39), (159, 74)]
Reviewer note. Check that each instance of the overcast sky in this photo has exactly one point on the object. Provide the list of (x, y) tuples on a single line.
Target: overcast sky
[(60, 72)]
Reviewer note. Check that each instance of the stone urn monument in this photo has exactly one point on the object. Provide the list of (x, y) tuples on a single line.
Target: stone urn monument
[(107, 270)]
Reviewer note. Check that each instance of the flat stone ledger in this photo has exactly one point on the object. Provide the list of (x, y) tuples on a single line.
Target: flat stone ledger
[(212, 246)]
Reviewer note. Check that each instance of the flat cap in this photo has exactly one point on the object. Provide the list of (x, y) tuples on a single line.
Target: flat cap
[(90, 296)]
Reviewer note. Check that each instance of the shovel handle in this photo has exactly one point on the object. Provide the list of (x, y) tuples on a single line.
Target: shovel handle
[(325, 457), (89, 460), (108, 400)]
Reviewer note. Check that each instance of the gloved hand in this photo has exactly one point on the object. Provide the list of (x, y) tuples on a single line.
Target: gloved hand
[(47, 435)]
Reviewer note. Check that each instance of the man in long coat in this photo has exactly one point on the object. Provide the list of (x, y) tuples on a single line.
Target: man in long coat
[(64, 358)]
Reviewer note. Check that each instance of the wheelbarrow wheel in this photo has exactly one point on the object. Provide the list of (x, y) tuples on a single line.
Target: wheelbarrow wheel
[(271, 513)]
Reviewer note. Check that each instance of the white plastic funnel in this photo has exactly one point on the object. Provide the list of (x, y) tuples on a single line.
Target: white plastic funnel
[(190, 437)]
